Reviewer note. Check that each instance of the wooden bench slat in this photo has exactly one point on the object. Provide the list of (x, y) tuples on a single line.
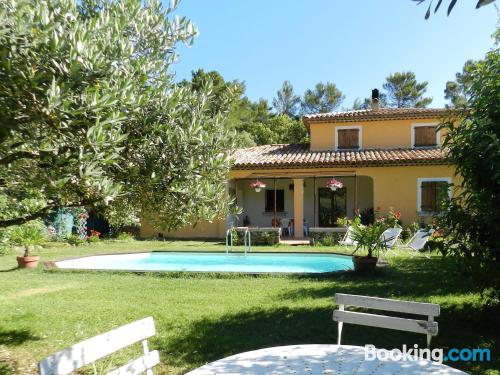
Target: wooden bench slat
[(418, 308), (390, 322), (139, 365), (90, 350)]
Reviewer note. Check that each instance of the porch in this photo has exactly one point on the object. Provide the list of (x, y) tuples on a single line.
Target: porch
[(299, 203)]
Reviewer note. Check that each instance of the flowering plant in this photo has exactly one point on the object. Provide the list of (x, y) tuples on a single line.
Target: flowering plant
[(257, 185), (95, 233), (334, 184), (391, 220), (94, 236)]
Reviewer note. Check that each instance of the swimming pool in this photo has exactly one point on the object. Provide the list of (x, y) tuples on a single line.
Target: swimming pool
[(213, 262)]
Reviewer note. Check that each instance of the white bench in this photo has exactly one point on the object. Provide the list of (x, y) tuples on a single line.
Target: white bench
[(428, 327), (88, 351)]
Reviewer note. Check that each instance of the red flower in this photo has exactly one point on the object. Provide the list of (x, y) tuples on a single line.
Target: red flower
[(398, 215), (95, 233)]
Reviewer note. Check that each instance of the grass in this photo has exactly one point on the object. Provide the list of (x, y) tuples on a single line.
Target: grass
[(204, 317)]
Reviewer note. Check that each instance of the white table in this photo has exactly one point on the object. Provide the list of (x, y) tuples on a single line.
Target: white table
[(317, 359)]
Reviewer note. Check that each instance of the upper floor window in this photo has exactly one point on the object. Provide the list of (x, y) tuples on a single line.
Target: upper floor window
[(425, 136), (348, 138), (431, 191)]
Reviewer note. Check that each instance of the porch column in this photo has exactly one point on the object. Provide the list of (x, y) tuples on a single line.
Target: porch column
[(298, 207)]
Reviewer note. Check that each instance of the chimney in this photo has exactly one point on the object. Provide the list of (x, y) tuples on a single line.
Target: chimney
[(375, 100)]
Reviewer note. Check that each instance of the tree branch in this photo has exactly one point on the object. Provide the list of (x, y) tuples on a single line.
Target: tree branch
[(38, 214)]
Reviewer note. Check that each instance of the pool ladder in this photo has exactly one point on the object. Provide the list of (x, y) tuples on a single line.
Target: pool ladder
[(246, 241)]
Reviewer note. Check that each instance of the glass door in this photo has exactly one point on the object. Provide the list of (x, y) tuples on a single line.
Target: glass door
[(331, 206)]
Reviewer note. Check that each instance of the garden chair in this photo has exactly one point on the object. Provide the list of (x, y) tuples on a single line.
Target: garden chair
[(348, 240), (418, 241), (429, 327), (286, 227), (90, 350), (390, 237)]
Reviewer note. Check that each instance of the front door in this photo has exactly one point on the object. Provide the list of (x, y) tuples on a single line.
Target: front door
[(331, 206)]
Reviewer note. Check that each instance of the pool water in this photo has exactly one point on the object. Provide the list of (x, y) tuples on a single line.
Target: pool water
[(213, 262)]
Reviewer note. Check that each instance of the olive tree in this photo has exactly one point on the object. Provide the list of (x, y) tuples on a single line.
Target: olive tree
[(90, 114)]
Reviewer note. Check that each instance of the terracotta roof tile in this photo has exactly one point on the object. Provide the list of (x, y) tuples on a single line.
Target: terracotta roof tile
[(299, 155), (377, 115)]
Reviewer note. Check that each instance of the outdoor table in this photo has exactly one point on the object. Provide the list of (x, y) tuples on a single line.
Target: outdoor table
[(317, 359)]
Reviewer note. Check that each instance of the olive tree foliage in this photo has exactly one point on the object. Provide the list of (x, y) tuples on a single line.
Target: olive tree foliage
[(90, 115), (451, 5), (472, 218)]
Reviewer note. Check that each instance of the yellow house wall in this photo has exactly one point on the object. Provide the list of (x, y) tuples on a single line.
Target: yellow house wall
[(375, 134), (392, 186), (203, 229)]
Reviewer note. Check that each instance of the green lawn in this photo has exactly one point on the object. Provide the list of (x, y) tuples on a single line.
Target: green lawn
[(203, 317)]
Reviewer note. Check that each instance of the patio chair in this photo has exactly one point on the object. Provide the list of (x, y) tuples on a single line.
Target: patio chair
[(286, 227), (88, 351), (418, 241), (306, 228), (428, 327), (390, 237), (348, 240)]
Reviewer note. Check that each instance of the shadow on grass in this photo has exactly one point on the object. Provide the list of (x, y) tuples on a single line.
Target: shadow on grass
[(463, 323), (412, 277), (10, 269), (6, 369), (211, 339), (16, 337)]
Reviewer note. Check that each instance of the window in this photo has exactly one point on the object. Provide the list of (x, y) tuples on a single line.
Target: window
[(431, 192), (348, 138), (331, 206), (425, 136), (280, 200)]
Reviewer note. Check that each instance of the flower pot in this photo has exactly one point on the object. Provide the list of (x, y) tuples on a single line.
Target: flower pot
[(28, 262), (257, 190), (364, 264)]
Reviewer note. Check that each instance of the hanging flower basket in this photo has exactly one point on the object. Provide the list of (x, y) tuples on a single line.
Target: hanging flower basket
[(257, 186), (334, 184)]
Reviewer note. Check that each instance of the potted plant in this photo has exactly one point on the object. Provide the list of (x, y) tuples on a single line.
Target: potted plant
[(28, 235), (367, 238), (334, 184), (257, 186)]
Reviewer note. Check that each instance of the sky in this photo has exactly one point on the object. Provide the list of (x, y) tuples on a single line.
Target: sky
[(354, 44)]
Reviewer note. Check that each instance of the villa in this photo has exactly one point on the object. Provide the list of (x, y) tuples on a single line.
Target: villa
[(383, 157)]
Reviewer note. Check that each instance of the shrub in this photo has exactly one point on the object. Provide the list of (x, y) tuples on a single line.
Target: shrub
[(125, 236), (265, 238), (94, 236), (75, 240), (325, 238)]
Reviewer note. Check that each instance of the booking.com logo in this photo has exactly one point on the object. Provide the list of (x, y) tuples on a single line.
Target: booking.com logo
[(438, 355)]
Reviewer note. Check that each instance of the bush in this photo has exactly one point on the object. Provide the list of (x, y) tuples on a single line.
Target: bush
[(264, 238), (75, 240), (409, 231), (94, 236), (325, 238), (125, 236)]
